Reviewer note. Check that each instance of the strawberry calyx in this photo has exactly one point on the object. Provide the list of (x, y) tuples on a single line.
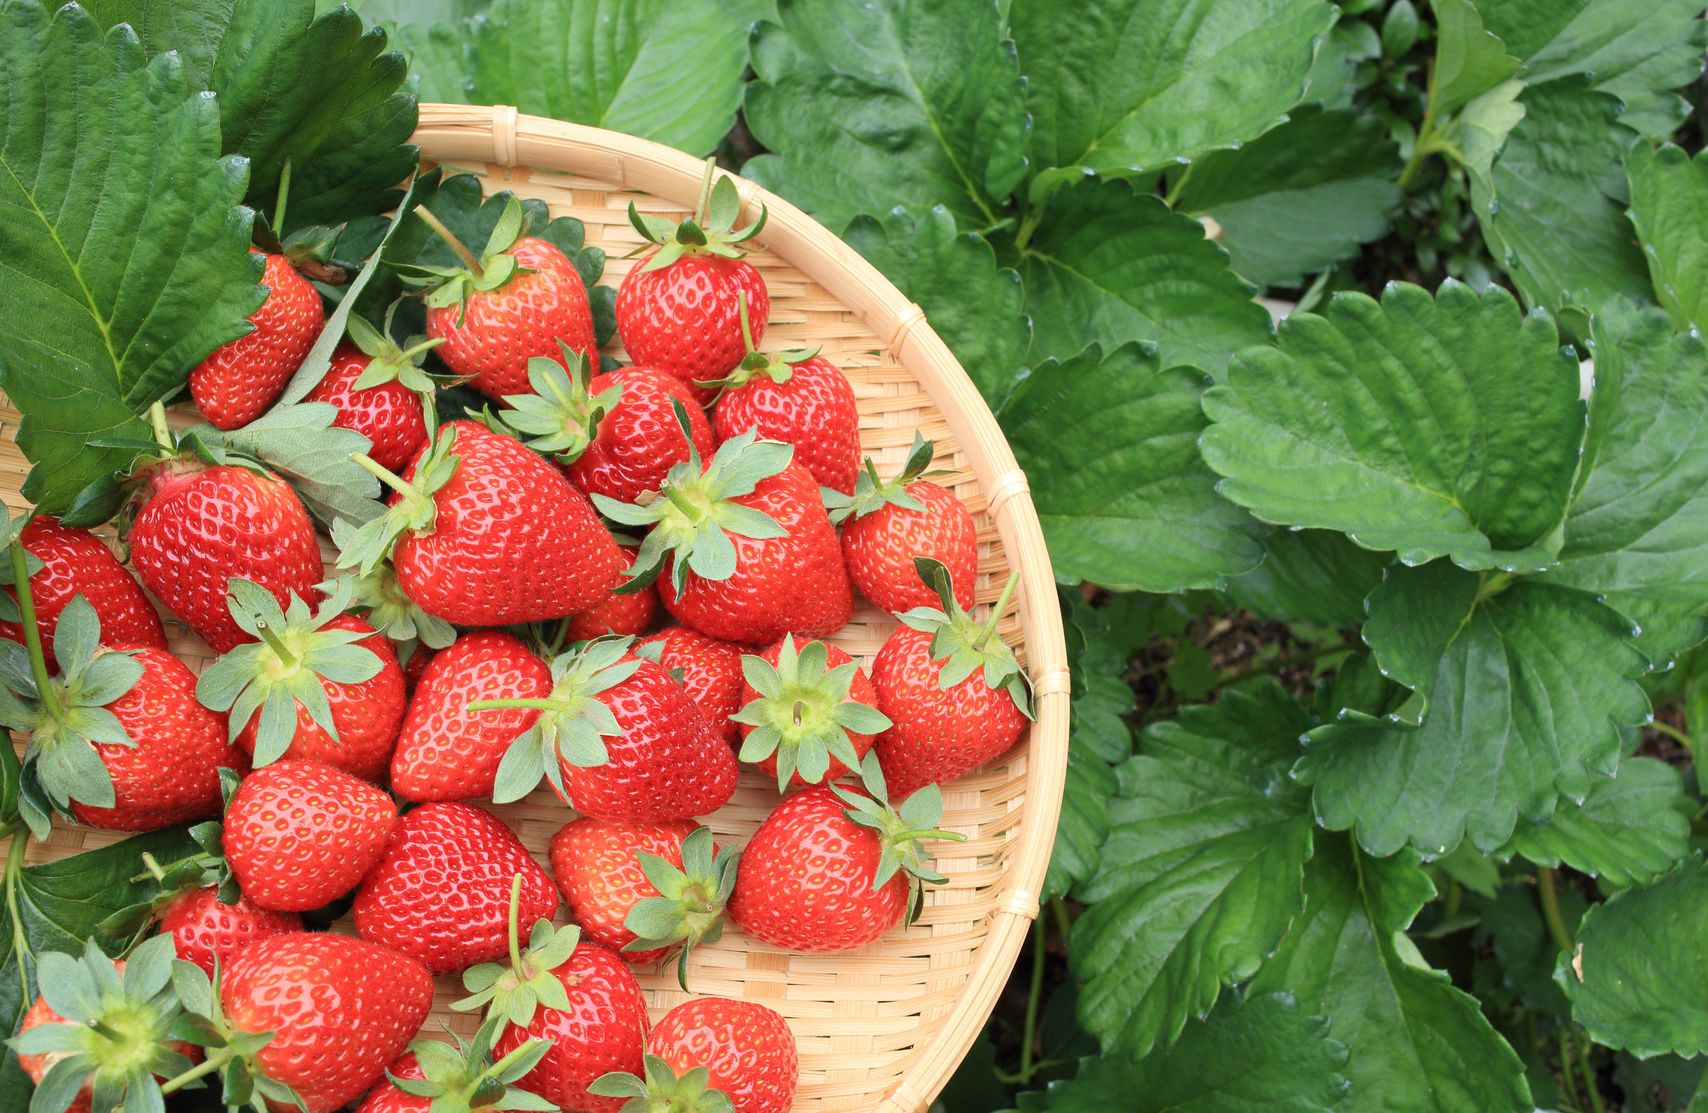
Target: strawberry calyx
[(271, 677), (573, 722), (901, 831), (965, 644), (412, 511), (872, 492), (662, 1090), (779, 367), (804, 713), (514, 992), (388, 360), (694, 510), (710, 231), (205, 869), (387, 609), (561, 416), (230, 1050), (490, 270), (690, 903), (464, 1077)]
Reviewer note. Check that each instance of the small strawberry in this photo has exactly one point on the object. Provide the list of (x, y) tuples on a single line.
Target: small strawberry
[(482, 532), (807, 717), (446, 751), (709, 669), (435, 1077), (388, 610), (441, 892), (623, 611), (887, 526), (377, 387), (204, 928), (618, 739), (679, 311), (955, 695), (714, 1055), (299, 834), (240, 380), (832, 870), (200, 526), (64, 561), (742, 546), (416, 664)]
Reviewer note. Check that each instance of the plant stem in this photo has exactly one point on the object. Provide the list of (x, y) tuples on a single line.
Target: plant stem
[(1566, 1063), (206, 1067), (1064, 923), (284, 196), (1173, 194), (1425, 135), (1588, 1074), (1549, 895), (451, 240), (388, 477), (997, 608), (32, 633), (705, 200), (1028, 225), (1673, 733), (1033, 996), (275, 643), (515, 927), (746, 327), (407, 355), (20, 944), (157, 422), (561, 635)]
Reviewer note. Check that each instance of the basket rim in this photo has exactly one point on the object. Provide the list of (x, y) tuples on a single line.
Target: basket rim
[(501, 135)]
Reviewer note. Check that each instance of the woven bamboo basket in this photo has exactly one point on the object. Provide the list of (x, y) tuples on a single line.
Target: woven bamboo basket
[(882, 1028)]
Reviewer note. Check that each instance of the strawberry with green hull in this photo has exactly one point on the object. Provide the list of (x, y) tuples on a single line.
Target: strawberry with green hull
[(955, 694), (240, 380), (378, 597), (714, 1055), (621, 612), (436, 1077), (205, 928), (808, 715), (377, 387), (708, 669), (65, 561)]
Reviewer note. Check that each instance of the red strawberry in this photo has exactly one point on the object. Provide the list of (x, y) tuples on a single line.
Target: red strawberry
[(745, 549), (832, 870), (199, 527), (415, 634), (415, 666), (710, 671), (76, 562), (955, 695), (299, 834), (447, 752), (807, 717), (747, 1050), (377, 387), (460, 1079), (486, 533), (629, 613), (679, 311), (204, 929), (887, 526), (240, 380), (340, 1010), (441, 893)]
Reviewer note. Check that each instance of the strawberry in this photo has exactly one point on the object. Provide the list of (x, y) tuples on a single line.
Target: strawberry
[(200, 526), (619, 740), (417, 664), (807, 717), (440, 893), (955, 695), (447, 752), (679, 311), (887, 526), (622, 612), (832, 870), (745, 547), (377, 387), (520, 299), (434, 1077), (710, 671), (746, 1050), (644, 889), (240, 380), (482, 532), (388, 610), (205, 929), (67, 561), (299, 834)]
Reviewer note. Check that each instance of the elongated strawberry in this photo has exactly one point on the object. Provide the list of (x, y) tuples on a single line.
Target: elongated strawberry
[(204, 928), (198, 527), (955, 694), (65, 561), (746, 1051), (482, 532), (709, 669), (240, 380), (435, 1077), (299, 834), (377, 387), (808, 716), (886, 526), (741, 546), (442, 891), (619, 740)]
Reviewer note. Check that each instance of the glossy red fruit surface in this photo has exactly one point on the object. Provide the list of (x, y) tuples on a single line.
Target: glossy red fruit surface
[(203, 929), (814, 411), (76, 562), (629, 613), (388, 414), (710, 671), (685, 320), (386, 1098), (747, 1049), (639, 441), (299, 834), (603, 1030), (239, 381), (880, 548), (601, 879)]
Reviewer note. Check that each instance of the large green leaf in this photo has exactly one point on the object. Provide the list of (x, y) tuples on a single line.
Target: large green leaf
[(123, 252), (1669, 206), (1110, 448), (1629, 830), (1098, 739), (892, 102), (438, 56), (1310, 575), (1469, 59), (1108, 266), (1122, 86), (1443, 426), (1417, 1044), (1200, 875), (1523, 691), (1639, 979), (1299, 198)]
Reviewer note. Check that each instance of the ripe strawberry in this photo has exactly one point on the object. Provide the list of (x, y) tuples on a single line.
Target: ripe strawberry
[(807, 717), (744, 546), (240, 380), (521, 299), (412, 670), (746, 1049), (955, 695), (482, 532), (832, 870), (619, 740), (201, 526), (69, 561), (377, 387), (414, 633), (441, 892), (204, 929), (710, 671), (461, 1079), (679, 311), (299, 834), (624, 614), (887, 526)]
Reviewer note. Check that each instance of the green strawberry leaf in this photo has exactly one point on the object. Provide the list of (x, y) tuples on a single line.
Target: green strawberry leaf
[(300, 444), (1639, 978), (1417, 1044), (1446, 426), (1200, 874), (1669, 195), (894, 102), (1630, 829), (1126, 501), (437, 53), (1469, 59), (127, 254), (1310, 575)]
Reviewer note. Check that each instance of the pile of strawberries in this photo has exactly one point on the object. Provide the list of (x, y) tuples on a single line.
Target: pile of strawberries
[(488, 629)]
